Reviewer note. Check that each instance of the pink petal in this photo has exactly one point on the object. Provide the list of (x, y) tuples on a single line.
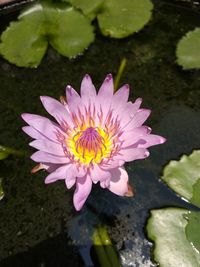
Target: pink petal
[(43, 125), (64, 172), (105, 97), (98, 174), (48, 146), (56, 109), (132, 153), (44, 157), (138, 119), (51, 167), (120, 98), (58, 174), (151, 140), (87, 88), (127, 112), (122, 94), (105, 183), (83, 189), (112, 164), (106, 90), (119, 182), (131, 137), (33, 133), (73, 99)]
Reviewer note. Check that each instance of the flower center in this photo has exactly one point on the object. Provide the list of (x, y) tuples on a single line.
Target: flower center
[(90, 141), (90, 145)]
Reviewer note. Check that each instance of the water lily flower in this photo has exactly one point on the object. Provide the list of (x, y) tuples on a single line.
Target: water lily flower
[(93, 135)]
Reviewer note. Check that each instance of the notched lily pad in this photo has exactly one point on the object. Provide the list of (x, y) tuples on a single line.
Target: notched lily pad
[(176, 231), (25, 41), (88, 7), (166, 227), (182, 175), (71, 33), (119, 19), (188, 50)]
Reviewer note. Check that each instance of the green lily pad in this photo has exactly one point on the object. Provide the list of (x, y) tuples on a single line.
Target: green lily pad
[(88, 7), (182, 175), (175, 231), (192, 229), (188, 50), (70, 33), (196, 194), (25, 41), (166, 227), (122, 18)]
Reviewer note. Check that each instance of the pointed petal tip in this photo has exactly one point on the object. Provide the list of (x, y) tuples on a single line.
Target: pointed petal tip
[(78, 205), (87, 76), (162, 140), (24, 116), (24, 129), (130, 192), (139, 100), (109, 77)]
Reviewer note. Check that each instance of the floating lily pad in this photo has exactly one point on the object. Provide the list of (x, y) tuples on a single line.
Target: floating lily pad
[(166, 227), (175, 231), (188, 50), (196, 193), (192, 229), (182, 175), (88, 7), (25, 41), (119, 19)]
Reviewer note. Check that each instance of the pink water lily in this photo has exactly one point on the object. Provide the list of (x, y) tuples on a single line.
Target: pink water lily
[(93, 136)]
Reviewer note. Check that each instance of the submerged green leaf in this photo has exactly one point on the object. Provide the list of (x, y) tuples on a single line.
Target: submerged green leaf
[(1, 190), (188, 50), (182, 175), (192, 229), (25, 41), (122, 18), (166, 227), (3, 154)]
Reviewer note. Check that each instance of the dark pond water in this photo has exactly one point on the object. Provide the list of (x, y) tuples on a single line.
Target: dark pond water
[(39, 226)]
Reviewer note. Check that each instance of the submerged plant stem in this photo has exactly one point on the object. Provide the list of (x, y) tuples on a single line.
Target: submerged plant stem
[(105, 251), (9, 150), (120, 72)]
